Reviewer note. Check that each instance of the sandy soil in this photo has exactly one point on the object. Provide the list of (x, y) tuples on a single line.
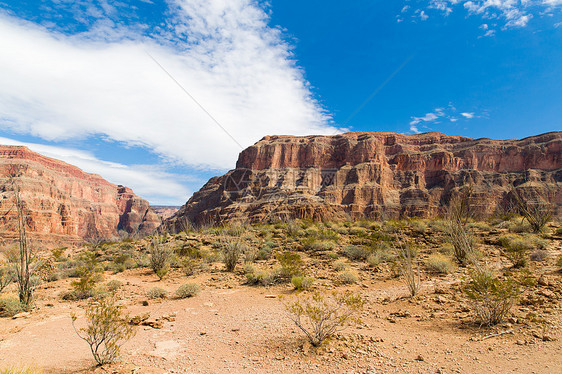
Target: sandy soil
[(231, 327)]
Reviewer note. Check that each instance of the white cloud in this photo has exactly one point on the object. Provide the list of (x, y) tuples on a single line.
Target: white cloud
[(102, 83), (439, 114), (146, 181), (512, 13)]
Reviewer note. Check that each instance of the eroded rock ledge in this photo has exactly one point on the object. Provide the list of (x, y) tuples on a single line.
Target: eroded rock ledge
[(375, 175)]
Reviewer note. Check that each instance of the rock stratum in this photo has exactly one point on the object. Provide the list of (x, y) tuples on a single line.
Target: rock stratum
[(376, 175), (64, 204)]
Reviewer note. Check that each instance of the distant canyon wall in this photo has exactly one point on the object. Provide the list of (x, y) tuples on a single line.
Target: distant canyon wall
[(63, 204)]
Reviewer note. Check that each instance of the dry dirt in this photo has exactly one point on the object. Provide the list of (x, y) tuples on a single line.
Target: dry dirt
[(234, 328)]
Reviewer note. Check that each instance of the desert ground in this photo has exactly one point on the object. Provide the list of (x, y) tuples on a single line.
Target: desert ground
[(239, 323)]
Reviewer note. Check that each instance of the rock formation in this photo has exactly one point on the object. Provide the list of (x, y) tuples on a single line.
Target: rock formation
[(376, 175), (63, 204)]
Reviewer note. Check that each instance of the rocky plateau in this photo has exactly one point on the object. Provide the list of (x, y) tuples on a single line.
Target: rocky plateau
[(377, 175)]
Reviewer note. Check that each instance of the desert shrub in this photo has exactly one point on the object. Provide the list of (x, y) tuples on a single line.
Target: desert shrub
[(458, 231), (349, 277), (260, 276), (490, 297), (536, 209), (10, 306), (319, 245), (231, 251), (89, 273), (190, 266), (356, 253), (159, 257), (265, 252), (21, 370), (58, 254), (320, 316), (7, 276), (516, 249), (156, 293), (107, 329), (340, 265), (114, 285), (539, 255), (558, 231), (302, 283), (187, 290), (409, 269), (379, 256), (291, 264), (440, 264), (417, 226)]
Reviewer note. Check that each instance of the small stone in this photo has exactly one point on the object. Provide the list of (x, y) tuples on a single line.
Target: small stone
[(202, 333), (270, 296), (420, 358), (21, 315), (144, 303), (520, 342)]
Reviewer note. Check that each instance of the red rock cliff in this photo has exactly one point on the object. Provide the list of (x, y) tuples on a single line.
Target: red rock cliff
[(63, 204), (375, 175)]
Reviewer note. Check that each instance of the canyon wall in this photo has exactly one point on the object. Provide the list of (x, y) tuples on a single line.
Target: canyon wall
[(377, 175), (63, 204)]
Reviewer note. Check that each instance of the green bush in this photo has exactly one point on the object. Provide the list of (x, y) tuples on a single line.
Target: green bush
[(232, 250), (291, 264), (302, 283), (379, 256), (559, 261), (440, 264), (156, 293), (187, 290), (319, 245), (516, 249), (114, 285), (7, 277), (356, 253), (349, 277), (320, 317), (107, 329), (340, 265), (21, 370), (159, 257), (490, 297), (10, 306)]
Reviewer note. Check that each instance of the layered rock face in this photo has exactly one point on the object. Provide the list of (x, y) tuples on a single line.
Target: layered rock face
[(375, 175), (63, 204)]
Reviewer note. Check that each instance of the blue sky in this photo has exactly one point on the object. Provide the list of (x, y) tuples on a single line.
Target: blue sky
[(160, 95)]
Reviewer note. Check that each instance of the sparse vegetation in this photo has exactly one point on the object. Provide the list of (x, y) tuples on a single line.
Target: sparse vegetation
[(291, 264), (536, 209), (302, 283), (157, 293), (159, 257), (107, 329), (10, 306), (409, 269), (6, 277), (441, 264), (187, 290), (457, 218), (349, 277), (491, 298), (320, 316), (232, 250)]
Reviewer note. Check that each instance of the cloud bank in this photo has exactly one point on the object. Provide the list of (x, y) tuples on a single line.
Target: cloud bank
[(503, 14), (102, 82), (145, 180)]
